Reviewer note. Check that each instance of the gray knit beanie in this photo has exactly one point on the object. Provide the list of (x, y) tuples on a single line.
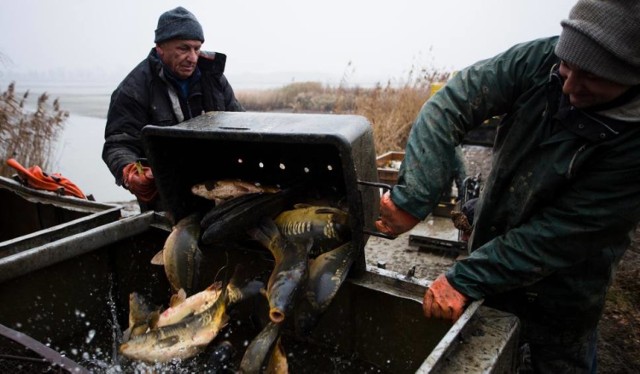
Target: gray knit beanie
[(603, 38), (178, 23)]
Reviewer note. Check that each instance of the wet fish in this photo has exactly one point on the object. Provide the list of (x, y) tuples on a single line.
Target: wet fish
[(278, 362), (328, 227), (193, 333), (290, 271), (227, 189), (142, 316), (243, 216), (221, 210), (181, 255), (327, 272), (181, 307), (265, 353)]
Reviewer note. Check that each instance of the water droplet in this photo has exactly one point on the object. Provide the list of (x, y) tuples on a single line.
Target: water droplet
[(90, 336)]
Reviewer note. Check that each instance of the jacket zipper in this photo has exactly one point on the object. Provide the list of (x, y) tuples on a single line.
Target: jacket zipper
[(573, 159)]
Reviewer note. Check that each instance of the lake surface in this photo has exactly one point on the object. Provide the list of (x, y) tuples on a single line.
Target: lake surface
[(78, 153)]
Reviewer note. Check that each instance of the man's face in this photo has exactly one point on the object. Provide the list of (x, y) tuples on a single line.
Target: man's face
[(181, 56), (586, 89)]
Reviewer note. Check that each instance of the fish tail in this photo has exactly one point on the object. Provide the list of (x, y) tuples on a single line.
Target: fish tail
[(267, 234), (242, 286)]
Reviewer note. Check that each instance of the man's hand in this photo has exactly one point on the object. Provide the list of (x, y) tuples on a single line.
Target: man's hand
[(139, 181), (443, 301), (393, 220)]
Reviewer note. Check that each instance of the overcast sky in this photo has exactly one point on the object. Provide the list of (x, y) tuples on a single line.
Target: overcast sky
[(381, 40)]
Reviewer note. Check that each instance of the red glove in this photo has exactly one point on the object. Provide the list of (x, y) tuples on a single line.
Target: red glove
[(443, 301), (393, 220), (139, 180)]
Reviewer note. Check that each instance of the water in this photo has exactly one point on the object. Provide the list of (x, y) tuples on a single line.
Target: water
[(78, 154)]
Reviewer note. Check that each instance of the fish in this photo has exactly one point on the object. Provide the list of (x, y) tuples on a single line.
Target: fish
[(278, 362), (290, 270), (142, 316), (226, 189), (181, 254), (328, 227), (192, 334), (221, 210), (181, 306), (327, 272), (265, 353), (236, 221)]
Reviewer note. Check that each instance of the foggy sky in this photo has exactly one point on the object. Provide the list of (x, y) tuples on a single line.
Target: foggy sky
[(366, 40)]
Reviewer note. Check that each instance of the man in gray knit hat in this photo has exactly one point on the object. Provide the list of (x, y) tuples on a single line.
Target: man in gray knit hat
[(177, 81), (555, 214)]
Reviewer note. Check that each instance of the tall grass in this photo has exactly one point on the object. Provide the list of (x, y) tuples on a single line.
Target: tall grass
[(390, 108), (28, 136)]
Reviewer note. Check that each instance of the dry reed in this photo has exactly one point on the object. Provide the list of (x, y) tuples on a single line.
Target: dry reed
[(391, 108), (28, 136)]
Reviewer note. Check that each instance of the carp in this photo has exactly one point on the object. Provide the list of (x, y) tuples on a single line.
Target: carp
[(241, 217), (265, 353), (142, 316), (290, 270), (181, 255), (226, 189), (328, 227), (327, 272), (180, 306), (192, 334)]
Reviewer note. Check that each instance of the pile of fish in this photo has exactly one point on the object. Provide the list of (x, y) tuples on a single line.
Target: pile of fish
[(312, 253)]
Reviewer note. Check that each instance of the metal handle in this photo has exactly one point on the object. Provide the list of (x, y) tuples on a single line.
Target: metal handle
[(386, 187)]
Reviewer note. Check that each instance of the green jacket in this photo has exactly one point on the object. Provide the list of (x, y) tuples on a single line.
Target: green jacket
[(563, 194)]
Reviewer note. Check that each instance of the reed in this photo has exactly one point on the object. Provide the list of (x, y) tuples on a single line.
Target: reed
[(390, 108), (28, 136)]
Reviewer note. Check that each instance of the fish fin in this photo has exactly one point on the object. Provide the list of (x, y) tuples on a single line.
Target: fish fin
[(158, 259), (153, 319), (126, 335), (178, 298), (328, 210), (215, 286), (168, 341), (242, 285)]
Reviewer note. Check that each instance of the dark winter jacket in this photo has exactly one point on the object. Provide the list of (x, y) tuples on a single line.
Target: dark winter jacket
[(563, 194), (148, 96)]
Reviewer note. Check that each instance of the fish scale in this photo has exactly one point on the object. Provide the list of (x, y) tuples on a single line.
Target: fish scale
[(327, 227)]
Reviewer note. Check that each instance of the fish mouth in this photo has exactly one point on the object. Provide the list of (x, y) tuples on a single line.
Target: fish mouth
[(276, 315)]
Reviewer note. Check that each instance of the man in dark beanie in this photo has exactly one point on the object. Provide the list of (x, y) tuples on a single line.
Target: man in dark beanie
[(177, 81), (556, 213)]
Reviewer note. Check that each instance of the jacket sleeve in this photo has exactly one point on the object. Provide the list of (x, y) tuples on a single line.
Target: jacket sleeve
[(481, 91), (590, 219), (123, 144)]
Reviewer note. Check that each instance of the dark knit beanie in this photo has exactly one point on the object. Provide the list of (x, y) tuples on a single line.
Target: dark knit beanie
[(603, 38), (178, 23)]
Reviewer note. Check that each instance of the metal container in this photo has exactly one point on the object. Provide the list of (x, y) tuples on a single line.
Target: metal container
[(79, 307), (30, 218)]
